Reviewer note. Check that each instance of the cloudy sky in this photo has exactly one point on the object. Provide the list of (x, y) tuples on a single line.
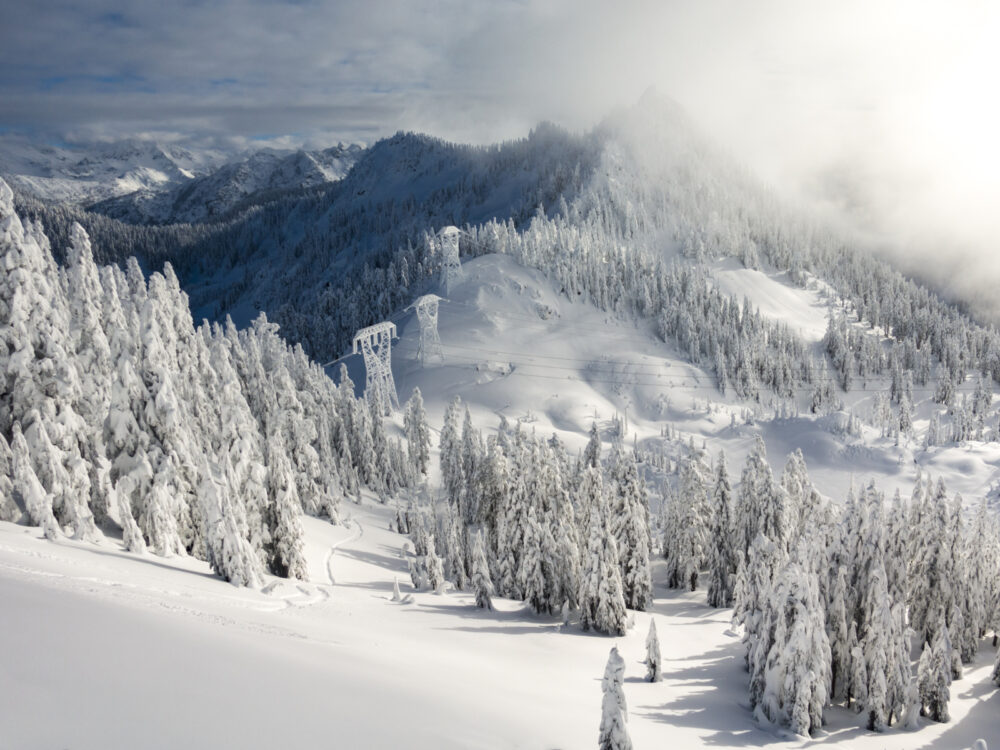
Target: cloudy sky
[(885, 111)]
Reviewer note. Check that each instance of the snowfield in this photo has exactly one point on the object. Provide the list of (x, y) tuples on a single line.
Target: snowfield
[(515, 346), (141, 651), (804, 311), (111, 649)]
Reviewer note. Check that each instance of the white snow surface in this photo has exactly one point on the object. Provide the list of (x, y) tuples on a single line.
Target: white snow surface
[(111, 649), (515, 346), (805, 311)]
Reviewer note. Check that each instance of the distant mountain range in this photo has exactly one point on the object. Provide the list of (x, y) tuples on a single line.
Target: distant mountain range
[(144, 182)]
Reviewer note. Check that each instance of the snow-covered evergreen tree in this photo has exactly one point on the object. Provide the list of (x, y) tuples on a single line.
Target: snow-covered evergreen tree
[(418, 434), (286, 546), (879, 651), (858, 688), (839, 635), (451, 452), (653, 661), (36, 500), (531, 575), (455, 552), (754, 584), (592, 453), (229, 552), (8, 507), (602, 602), (629, 503), (796, 679), (934, 676), (932, 564), (722, 559), (687, 550), (434, 567), (614, 711), (62, 475), (762, 504), (482, 584)]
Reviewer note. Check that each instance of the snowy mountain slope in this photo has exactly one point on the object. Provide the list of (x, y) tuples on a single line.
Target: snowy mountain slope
[(297, 259), (211, 196), (773, 294), (437, 672), (354, 667), (515, 347)]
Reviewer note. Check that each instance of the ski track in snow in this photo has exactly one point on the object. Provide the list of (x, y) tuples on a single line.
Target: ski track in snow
[(146, 597), (328, 564), (306, 594)]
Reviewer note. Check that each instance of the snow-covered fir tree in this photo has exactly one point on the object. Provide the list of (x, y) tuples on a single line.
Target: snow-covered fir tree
[(451, 451), (762, 504), (722, 557), (37, 501), (795, 677), (629, 508), (8, 507), (592, 453), (754, 584), (934, 676), (229, 552), (602, 602), (418, 434), (613, 733), (686, 540), (654, 663), (286, 545), (482, 584), (434, 567)]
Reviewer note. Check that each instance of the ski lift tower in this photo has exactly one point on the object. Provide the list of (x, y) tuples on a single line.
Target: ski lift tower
[(380, 388), (427, 315), (451, 266)]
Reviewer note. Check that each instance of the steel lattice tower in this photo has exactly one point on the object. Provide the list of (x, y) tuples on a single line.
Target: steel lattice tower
[(451, 266), (376, 346), (430, 341)]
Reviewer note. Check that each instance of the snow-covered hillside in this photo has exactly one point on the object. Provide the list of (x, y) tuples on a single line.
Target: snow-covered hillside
[(157, 651), (658, 389), (516, 347), (349, 662)]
